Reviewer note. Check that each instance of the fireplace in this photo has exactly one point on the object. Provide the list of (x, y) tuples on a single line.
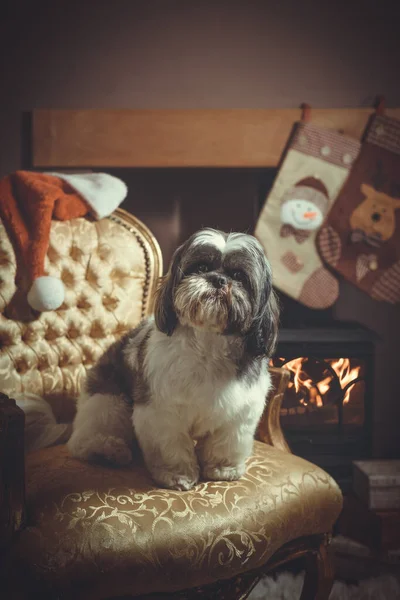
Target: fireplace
[(326, 413)]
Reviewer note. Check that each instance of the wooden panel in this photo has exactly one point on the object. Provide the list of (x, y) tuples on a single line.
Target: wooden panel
[(176, 138)]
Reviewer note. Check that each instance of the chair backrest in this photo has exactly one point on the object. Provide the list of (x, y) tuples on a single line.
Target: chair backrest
[(110, 269)]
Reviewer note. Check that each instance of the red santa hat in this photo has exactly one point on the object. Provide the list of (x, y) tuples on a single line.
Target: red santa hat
[(28, 203)]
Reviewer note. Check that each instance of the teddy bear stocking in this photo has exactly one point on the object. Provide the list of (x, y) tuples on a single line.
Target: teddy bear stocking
[(361, 238), (309, 180)]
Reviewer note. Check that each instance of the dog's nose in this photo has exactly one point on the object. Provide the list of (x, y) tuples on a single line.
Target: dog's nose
[(376, 217), (219, 281)]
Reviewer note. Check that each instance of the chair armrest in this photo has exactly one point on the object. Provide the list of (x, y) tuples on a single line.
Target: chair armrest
[(12, 470), (269, 429)]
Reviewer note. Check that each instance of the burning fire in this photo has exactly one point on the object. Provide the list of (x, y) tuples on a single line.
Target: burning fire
[(315, 390)]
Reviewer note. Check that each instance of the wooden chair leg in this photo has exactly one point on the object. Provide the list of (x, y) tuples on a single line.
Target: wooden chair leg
[(238, 588), (319, 575)]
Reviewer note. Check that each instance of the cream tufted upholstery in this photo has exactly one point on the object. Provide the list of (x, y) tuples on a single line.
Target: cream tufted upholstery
[(110, 269)]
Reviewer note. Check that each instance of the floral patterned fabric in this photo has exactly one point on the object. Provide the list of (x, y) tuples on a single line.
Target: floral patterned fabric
[(111, 532)]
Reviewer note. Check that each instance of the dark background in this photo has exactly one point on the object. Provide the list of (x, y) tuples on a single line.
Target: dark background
[(186, 54)]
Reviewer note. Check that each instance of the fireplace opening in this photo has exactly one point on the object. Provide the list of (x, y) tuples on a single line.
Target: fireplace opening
[(327, 393), (326, 413)]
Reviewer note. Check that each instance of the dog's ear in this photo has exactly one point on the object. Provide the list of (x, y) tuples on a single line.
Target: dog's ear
[(164, 312), (263, 333)]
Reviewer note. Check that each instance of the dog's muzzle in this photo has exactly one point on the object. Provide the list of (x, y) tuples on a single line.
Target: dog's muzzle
[(218, 280)]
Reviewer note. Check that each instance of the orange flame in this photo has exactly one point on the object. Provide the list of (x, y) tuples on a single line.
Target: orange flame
[(315, 390), (342, 368)]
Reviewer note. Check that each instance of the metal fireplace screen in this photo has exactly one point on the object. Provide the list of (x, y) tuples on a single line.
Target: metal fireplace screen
[(326, 393)]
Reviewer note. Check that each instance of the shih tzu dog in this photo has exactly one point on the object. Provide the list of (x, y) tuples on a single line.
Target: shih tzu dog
[(190, 384)]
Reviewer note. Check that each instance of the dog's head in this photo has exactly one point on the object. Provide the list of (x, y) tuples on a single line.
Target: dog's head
[(222, 283)]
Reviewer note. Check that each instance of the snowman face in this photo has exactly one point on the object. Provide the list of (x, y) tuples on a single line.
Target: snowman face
[(301, 214)]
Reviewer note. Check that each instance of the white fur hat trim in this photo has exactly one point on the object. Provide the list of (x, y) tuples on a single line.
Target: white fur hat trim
[(103, 192)]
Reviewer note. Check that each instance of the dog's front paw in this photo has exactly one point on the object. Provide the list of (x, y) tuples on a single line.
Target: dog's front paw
[(100, 447), (221, 473), (175, 481)]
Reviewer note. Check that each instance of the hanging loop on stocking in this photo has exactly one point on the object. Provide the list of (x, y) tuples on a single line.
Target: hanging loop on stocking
[(380, 105), (305, 112)]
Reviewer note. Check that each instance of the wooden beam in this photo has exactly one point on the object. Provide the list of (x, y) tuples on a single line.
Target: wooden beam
[(176, 138)]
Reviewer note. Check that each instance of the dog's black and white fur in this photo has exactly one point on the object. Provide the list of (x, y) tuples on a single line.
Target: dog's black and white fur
[(197, 371)]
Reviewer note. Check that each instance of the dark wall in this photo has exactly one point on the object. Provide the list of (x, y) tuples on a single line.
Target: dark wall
[(186, 54), (190, 54), (175, 203)]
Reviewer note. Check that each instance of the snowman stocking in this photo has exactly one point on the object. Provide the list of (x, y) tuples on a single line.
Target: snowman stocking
[(311, 176), (361, 238)]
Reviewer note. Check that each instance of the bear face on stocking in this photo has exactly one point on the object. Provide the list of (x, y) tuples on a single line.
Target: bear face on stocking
[(374, 220), (361, 236)]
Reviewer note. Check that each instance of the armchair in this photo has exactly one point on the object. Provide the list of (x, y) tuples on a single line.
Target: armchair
[(83, 531)]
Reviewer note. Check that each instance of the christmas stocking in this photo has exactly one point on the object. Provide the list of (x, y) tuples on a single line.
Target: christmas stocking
[(361, 238), (311, 176)]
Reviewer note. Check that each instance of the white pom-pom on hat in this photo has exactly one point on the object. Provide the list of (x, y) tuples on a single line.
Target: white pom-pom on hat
[(46, 293)]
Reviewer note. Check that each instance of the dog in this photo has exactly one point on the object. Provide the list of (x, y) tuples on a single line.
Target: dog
[(189, 384)]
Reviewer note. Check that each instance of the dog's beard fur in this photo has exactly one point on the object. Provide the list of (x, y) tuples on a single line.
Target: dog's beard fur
[(199, 304)]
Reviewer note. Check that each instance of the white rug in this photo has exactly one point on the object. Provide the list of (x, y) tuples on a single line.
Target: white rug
[(288, 587)]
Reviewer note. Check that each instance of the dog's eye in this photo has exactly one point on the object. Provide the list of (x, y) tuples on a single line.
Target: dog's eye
[(238, 275), (202, 268)]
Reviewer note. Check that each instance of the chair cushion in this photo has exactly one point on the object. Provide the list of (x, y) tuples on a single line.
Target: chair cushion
[(111, 532)]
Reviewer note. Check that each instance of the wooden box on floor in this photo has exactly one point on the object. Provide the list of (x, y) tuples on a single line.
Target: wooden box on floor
[(377, 483), (379, 530)]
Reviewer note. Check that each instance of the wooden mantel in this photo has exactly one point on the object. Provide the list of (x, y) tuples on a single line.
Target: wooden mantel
[(177, 138)]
